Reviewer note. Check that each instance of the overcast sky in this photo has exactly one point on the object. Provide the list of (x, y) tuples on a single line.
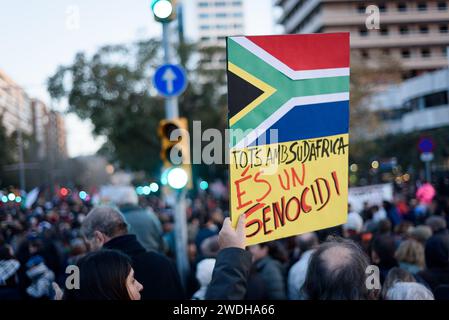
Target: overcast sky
[(38, 35)]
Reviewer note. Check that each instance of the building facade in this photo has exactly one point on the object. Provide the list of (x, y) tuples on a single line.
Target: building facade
[(56, 136), (218, 19), (213, 21), (417, 104), (40, 121), (413, 32), (15, 106)]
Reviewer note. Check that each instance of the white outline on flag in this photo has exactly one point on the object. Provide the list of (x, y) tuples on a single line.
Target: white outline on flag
[(282, 67)]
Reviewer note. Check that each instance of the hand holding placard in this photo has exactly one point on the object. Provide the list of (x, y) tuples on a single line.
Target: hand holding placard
[(230, 237)]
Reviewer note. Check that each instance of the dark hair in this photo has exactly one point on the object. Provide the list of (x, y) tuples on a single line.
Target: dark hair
[(385, 248), (5, 254), (345, 281), (103, 276), (276, 251)]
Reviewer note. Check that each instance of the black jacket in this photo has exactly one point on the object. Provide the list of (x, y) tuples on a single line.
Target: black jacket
[(437, 260), (154, 271), (230, 276)]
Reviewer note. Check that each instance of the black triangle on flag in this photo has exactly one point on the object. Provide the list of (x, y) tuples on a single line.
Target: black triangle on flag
[(243, 94)]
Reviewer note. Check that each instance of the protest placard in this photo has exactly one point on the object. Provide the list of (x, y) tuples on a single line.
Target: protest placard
[(288, 113)]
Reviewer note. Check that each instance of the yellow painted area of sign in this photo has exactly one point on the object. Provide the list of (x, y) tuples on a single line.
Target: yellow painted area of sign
[(290, 188)]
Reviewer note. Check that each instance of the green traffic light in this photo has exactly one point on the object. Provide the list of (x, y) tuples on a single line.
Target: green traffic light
[(162, 9), (177, 178), (204, 185)]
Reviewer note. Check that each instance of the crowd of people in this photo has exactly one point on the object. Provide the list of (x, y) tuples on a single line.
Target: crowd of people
[(126, 251)]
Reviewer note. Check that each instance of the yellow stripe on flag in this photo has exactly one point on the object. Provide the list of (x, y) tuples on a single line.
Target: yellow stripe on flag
[(267, 91)]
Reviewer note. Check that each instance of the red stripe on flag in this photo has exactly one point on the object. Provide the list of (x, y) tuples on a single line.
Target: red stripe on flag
[(308, 51)]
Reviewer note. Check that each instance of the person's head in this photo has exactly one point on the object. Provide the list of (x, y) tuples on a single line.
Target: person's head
[(105, 275), (409, 291), (421, 233), (307, 241), (337, 272), (217, 216), (271, 248), (436, 223), (403, 227), (204, 271), (353, 225), (384, 226), (437, 252), (125, 196), (383, 250), (411, 251), (6, 252), (395, 275), (210, 247), (101, 225)]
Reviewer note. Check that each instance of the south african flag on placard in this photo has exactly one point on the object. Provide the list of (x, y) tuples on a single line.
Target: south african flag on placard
[(288, 111)]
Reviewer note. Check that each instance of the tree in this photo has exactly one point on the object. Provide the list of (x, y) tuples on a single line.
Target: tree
[(113, 90), (366, 80)]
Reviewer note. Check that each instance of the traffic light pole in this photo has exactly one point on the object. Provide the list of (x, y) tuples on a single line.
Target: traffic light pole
[(171, 112), (171, 104)]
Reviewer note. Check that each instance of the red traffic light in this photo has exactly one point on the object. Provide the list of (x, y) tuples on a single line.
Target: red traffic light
[(64, 192)]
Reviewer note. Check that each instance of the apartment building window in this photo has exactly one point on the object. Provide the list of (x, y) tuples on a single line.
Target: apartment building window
[(220, 4), (238, 15), (205, 38), (423, 29), (204, 15), (237, 3), (442, 5), (425, 53), (383, 31), (365, 54), (402, 7), (204, 27), (203, 4), (435, 99), (221, 27), (404, 30), (405, 53), (443, 28), (220, 38), (238, 26), (422, 6), (363, 32), (444, 51), (221, 15)]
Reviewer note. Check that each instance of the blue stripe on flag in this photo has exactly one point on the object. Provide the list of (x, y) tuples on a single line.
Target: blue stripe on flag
[(309, 121)]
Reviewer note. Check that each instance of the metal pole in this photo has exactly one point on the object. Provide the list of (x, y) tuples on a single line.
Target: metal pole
[(171, 104), (428, 175), (171, 112), (21, 164), (182, 259)]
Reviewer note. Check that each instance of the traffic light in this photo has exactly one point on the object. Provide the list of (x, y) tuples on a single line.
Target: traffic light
[(164, 10), (176, 154)]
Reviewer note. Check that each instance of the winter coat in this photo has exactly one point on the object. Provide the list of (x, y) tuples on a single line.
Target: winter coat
[(154, 271)]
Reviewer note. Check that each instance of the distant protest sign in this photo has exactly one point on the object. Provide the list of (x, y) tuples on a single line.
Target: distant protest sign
[(373, 195), (288, 113)]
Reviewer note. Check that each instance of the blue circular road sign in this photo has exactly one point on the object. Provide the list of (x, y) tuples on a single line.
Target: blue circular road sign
[(426, 144), (170, 80)]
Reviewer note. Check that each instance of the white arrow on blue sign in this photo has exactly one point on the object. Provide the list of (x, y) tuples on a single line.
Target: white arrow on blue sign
[(170, 80)]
